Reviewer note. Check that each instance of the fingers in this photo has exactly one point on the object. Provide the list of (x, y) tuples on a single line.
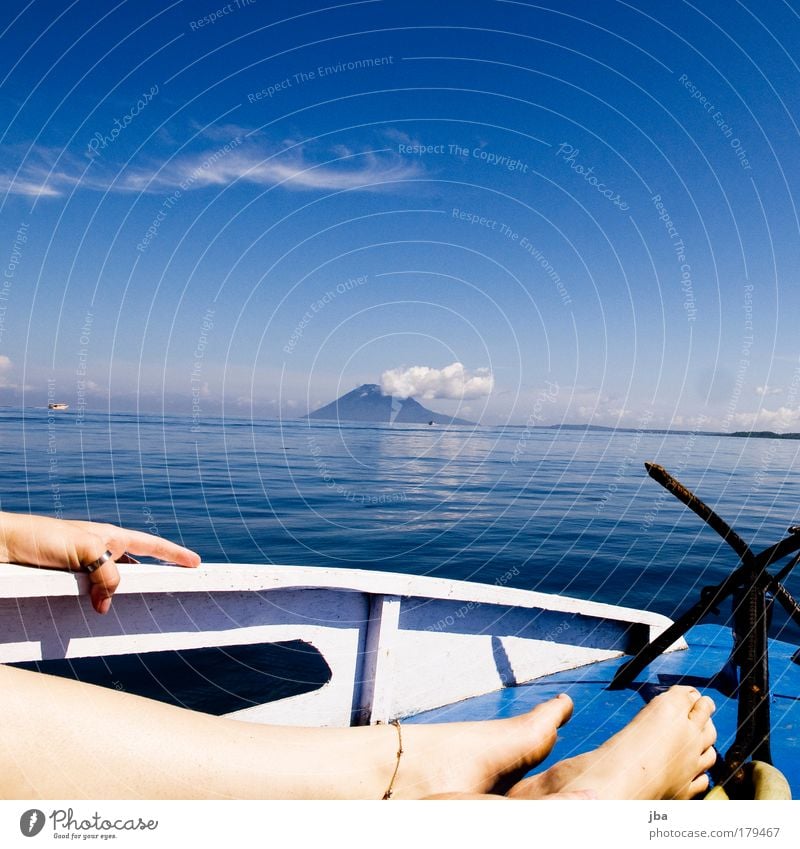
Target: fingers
[(138, 542), (105, 581), (98, 538), (71, 545), (147, 545)]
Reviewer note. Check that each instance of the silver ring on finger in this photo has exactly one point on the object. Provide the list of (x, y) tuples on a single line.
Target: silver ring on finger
[(96, 564)]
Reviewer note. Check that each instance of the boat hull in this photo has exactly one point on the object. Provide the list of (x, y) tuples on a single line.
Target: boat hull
[(394, 644)]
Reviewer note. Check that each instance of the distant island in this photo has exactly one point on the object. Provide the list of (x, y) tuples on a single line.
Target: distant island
[(367, 403), (766, 434), (751, 434)]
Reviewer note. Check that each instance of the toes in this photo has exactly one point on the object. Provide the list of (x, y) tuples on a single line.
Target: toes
[(709, 734), (556, 711), (702, 710), (678, 697), (707, 759), (699, 785)]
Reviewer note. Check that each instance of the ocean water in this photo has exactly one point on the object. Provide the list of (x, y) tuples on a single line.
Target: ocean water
[(568, 511)]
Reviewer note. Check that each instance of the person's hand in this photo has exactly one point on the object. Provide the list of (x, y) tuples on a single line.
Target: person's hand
[(64, 544)]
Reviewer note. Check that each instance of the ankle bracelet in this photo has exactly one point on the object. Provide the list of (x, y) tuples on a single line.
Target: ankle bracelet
[(396, 723)]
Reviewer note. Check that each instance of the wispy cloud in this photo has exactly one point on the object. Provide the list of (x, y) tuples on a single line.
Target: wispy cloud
[(236, 159), (9, 184)]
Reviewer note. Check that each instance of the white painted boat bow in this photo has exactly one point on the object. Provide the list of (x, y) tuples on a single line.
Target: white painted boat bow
[(396, 644)]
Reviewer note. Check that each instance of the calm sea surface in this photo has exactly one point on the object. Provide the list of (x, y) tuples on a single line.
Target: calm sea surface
[(570, 512)]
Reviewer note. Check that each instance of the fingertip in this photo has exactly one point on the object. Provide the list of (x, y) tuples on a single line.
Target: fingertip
[(101, 604), (184, 557)]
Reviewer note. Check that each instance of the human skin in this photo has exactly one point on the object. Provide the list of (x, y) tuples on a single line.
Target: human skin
[(662, 754), (149, 749), (140, 748), (69, 545)]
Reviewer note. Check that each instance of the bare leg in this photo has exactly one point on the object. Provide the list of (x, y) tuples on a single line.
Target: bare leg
[(662, 754), (63, 739)]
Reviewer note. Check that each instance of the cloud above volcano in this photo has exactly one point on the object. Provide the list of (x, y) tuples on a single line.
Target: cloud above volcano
[(453, 382)]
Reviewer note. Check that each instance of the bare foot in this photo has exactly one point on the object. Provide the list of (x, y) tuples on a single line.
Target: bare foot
[(662, 754), (477, 757)]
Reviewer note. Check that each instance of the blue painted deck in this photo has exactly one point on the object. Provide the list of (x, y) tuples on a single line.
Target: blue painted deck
[(599, 712)]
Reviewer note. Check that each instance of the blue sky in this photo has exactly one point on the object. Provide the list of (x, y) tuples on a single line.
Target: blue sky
[(251, 208)]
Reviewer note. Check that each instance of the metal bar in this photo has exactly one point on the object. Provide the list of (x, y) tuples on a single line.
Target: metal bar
[(712, 519)]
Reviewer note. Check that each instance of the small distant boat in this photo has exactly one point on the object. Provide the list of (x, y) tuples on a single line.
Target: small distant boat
[(54, 406)]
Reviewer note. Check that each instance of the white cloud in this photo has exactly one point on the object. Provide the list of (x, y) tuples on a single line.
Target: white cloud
[(10, 184), (239, 160), (453, 381), (5, 367), (768, 390), (780, 419), (294, 172)]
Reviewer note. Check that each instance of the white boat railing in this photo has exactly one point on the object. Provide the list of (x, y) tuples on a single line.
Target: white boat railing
[(395, 644)]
